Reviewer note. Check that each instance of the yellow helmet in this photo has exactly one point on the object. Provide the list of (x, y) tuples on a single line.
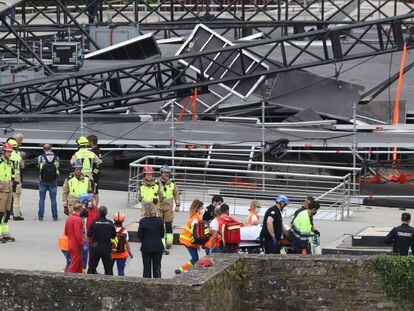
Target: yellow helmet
[(13, 142), (82, 141)]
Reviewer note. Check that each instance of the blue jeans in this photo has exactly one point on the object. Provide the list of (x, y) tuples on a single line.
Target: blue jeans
[(120, 265), (66, 254), (45, 186), (193, 253)]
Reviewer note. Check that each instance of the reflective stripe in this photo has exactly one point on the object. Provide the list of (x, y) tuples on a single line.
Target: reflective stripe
[(299, 235), (234, 227)]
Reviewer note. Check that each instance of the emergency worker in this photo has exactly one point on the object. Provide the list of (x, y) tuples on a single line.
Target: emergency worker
[(89, 160), (272, 230), (93, 144), (73, 187), (73, 230), (6, 182), (170, 195), (302, 227), (18, 165), (402, 237), (149, 190), (101, 232)]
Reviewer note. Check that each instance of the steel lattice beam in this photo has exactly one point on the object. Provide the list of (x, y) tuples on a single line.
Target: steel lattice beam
[(161, 79)]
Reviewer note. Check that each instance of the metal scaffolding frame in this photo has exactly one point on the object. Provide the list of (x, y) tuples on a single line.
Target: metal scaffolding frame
[(162, 79)]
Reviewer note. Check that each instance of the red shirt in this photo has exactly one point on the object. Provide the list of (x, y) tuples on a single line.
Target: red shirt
[(92, 215), (73, 229)]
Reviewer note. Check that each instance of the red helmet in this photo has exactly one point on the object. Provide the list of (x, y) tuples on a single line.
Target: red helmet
[(118, 216), (7, 147), (148, 169)]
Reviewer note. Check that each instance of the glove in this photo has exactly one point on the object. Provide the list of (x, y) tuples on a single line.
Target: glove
[(316, 232), (131, 256), (85, 246), (274, 241), (155, 201), (66, 210)]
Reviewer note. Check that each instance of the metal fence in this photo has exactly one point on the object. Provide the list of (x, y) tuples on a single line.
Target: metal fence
[(262, 182)]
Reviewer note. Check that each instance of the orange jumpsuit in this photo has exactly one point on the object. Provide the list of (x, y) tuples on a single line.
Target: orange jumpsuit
[(73, 229)]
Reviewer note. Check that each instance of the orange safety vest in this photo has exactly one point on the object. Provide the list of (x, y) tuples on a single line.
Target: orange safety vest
[(122, 255), (210, 240), (187, 234), (249, 218), (63, 243)]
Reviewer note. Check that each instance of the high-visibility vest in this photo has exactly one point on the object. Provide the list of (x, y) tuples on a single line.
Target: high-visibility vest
[(77, 187), (302, 226), (302, 222), (187, 233), (149, 193), (249, 218), (15, 158), (63, 243), (86, 157), (218, 238), (6, 171), (168, 190)]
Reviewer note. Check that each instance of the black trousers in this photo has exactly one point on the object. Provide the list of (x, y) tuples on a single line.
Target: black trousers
[(269, 248), (98, 253), (152, 261)]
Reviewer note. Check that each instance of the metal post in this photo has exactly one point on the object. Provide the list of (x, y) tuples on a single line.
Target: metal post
[(81, 118), (263, 142), (354, 151), (172, 138)]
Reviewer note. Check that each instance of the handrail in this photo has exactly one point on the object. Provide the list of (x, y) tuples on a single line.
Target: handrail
[(328, 167)]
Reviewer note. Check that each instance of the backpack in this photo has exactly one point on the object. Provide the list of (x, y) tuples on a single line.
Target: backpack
[(119, 243), (201, 233), (230, 231), (48, 171)]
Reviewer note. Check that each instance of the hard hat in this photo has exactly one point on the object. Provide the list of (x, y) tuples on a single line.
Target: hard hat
[(13, 142), (77, 164), (118, 216), (82, 141), (282, 198), (165, 168), (7, 147), (85, 197), (148, 169)]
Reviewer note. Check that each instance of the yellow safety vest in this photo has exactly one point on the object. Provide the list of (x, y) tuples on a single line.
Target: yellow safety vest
[(168, 190), (6, 171), (149, 193), (77, 187), (302, 222), (86, 157), (15, 158)]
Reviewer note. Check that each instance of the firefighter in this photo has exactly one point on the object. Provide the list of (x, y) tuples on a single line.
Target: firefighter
[(74, 186), (6, 182), (89, 160), (18, 164), (149, 190), (170, 195)]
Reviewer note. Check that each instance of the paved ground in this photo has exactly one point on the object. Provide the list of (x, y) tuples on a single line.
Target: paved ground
[(36, 242)]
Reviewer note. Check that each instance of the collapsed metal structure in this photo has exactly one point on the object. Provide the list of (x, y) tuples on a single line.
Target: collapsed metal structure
[(161, 79)]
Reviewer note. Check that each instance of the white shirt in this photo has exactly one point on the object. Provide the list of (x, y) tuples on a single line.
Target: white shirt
[(214, 225)]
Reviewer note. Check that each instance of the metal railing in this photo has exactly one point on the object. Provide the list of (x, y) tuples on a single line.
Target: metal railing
[(263, 182)]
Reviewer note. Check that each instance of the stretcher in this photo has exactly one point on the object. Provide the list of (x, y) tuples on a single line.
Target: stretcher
[(250, 241)]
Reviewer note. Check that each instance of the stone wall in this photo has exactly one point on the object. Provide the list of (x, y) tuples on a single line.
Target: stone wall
[(235, 282)]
